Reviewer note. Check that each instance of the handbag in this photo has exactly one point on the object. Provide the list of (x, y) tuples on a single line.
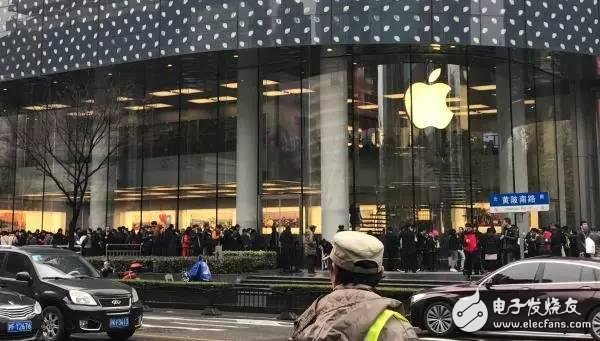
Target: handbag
[(590, 246), (491, 256)]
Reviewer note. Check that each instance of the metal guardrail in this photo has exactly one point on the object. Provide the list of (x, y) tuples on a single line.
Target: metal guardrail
[(125, 250)]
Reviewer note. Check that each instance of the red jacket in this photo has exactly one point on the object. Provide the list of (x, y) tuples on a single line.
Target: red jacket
[(471, 242), (186, 241), (547, 241)]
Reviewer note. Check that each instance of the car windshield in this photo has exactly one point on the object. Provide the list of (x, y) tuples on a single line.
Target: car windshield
[(63, 266)]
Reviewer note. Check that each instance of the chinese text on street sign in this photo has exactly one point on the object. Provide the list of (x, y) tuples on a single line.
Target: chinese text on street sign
[(519, 202)]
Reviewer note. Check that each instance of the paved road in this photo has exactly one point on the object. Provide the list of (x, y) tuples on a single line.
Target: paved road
[(190, 325)]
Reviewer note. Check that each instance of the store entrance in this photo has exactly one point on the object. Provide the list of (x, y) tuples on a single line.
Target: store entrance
[(280, 211)]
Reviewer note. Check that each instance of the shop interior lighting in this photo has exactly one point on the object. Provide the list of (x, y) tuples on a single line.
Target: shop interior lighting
[(201, 101), (297, 91), (148, 106), (213, 100), (394, 96), (487, 87), (158, 105), (175, 92), (45, 107), (224, 99), (274, 93), (488, 111), (368, 106), (234, 85)]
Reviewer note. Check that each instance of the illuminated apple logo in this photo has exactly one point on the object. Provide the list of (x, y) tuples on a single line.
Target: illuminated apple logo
[(426, 103)]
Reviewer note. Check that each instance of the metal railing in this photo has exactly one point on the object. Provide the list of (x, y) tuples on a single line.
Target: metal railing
[(123, 250)]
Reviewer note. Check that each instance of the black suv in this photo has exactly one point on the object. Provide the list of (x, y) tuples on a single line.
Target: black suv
[(73, 296), (20, 317)]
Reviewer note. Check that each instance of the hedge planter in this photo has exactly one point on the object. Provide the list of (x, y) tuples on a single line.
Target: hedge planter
[(233, 262), (194, 295), (296, 298), (225, 296)]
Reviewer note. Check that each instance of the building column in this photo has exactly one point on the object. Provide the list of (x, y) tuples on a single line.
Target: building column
[(97, 186), (247, 146), (332, 92)]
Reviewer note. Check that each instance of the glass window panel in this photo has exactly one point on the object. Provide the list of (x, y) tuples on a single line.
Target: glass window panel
[(229, 105), (382, 143), (280, 154), (199, 140), (161, 141), (440, 142), (29, 181), (491, 140), (125, 167)]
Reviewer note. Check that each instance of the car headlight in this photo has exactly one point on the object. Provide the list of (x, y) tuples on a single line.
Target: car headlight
[(81, 298), (417, 297), (37, 308), (134, 296)]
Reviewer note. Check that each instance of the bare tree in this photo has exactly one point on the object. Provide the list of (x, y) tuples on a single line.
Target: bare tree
[(70, 141)]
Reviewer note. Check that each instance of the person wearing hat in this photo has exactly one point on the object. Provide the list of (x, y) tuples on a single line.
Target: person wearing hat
[(353, 311)]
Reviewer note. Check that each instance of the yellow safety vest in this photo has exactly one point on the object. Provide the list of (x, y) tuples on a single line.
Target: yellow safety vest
[(380, 322)]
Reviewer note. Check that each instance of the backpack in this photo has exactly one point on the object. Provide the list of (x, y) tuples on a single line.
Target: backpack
[(590, 246)]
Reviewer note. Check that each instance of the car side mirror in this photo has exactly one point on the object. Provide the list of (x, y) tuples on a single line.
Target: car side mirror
[(24, 277), (489, 283)]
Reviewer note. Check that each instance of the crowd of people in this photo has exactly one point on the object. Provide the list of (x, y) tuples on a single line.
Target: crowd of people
[(407, 249), (152, 239), (473, 251)]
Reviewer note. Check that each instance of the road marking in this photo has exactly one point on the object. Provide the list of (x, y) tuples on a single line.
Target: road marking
[(250, 322), (208, 324), (183, 328), (156, 336)]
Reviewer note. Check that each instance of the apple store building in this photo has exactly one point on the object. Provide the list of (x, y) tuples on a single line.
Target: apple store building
[(367, 114)]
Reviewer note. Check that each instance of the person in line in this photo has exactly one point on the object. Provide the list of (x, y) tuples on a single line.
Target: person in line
[(287, 249), (391, 243), (429, 252), (472, 256), (557, 241), (490, 249), (509, 239), (461, 252), (186, 242), (408, 249), (595, 236), (584, 232), (453, 245), (310, 249), (353, 311), (534, 243), (421, 246)]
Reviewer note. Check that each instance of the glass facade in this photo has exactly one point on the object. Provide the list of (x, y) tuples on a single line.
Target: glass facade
[(356, 136)]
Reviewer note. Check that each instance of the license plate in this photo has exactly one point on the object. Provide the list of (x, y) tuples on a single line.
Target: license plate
[(19, 327), (119, 323)]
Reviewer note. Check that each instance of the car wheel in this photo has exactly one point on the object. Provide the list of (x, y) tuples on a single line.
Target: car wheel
[(438, 319), (53, 324), (595, 324), (121, 335)]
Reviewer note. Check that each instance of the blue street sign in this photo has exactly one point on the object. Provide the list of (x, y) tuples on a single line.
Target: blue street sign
[(519, 202)]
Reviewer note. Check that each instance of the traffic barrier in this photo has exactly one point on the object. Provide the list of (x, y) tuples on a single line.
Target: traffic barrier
[(120, 250)]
